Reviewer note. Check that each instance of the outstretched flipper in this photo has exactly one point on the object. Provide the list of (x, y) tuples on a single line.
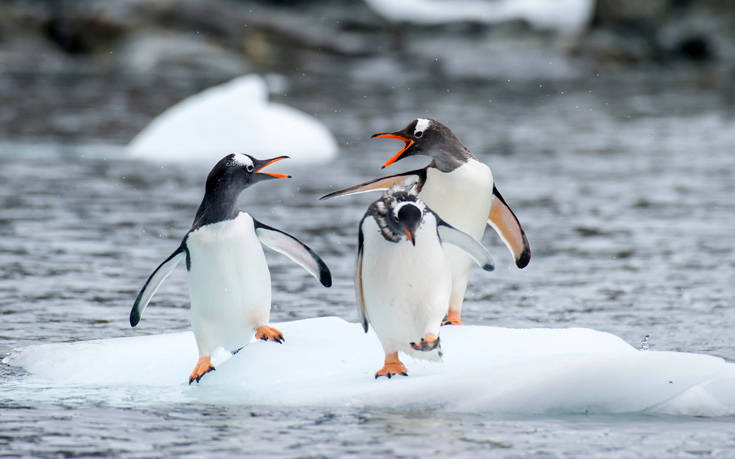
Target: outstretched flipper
[(294, 249), (451, 235), (417, 176), (154, 281), (506, 224)]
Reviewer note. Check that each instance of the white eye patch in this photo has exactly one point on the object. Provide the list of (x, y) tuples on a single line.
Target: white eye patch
[(243, 160), (421, 125)]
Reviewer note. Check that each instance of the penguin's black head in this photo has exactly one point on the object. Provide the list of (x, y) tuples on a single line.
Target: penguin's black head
[(428, 137), (408, 215), (399, 212), (238, 171), (227, 179)]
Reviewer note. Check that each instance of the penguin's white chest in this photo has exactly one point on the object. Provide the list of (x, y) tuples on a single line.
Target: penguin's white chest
[(462, 197), (229, 283), (406, 288)]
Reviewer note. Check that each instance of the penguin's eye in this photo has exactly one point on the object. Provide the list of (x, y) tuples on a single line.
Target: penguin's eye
[(418, 134), (250, 168)]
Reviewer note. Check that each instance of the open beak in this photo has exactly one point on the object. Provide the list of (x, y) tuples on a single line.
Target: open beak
[(411, 236), (262, 164), (408, 143)]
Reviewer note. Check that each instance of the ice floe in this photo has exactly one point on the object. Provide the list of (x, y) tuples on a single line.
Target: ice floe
[(234, 117), (330, 362), (566, 16)]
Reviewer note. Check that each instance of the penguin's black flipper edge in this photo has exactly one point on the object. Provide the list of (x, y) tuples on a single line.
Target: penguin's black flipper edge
[(294, 249), (451, 235), (154, 282), (506, 224), (358, 282), (417, 176)]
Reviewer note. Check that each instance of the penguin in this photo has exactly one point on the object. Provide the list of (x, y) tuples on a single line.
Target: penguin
[(229, 281), (457, 186), (402, 281)]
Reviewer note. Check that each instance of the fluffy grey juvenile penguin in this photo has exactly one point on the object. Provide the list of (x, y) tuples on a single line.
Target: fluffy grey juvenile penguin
[(403, 281), (459, 188), (229, 281)]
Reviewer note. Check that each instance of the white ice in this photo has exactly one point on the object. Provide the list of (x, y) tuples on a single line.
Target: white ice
[(234, 117), (330, 362), (566, 16)]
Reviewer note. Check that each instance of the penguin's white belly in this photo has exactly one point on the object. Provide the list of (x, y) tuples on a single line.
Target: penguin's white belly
[(463, 199), (229, 284), (405, 288)]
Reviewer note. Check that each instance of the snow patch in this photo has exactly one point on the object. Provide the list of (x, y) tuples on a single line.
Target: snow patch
[(330, 362), (233, 117)]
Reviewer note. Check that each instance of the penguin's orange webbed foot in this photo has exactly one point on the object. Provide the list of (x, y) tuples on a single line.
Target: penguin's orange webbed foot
[(428, 343), (267, 333), (392, 367), (204, 366), (453, 318)]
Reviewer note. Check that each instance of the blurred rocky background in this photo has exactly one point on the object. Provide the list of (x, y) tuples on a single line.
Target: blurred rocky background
[(70, 69)]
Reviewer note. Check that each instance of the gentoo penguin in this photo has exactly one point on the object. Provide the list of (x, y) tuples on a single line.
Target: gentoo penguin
[(459, 188), (229, 281), (402, 280)]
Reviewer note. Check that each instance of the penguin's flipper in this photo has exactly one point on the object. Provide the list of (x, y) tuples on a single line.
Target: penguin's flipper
[(154, 281), (358, 281), (506, 224), (451, 235), (294, 249), (381, 184)]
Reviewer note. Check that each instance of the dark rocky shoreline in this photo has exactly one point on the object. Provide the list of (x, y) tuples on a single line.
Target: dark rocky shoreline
[(276, 35), (70, 67)]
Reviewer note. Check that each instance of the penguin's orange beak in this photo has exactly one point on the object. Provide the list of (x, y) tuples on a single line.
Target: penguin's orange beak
[(410, 236), (408, 143), (272, 174)]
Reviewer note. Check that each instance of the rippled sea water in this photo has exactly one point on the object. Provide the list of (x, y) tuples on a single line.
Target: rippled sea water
[(625, 185)]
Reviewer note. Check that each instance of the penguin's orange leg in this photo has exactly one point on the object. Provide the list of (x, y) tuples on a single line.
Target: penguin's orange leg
[(267, 333), (453, 318), (204, 366), (393, 366), (428, 343)]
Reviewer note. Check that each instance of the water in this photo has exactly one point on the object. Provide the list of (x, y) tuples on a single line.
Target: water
[(623, 182)]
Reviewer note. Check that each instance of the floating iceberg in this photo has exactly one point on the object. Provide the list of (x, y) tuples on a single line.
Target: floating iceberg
[(566, 16), (330, 362), (234, 117)]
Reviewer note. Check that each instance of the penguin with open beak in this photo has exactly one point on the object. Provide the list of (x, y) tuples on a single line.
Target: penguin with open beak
[(459, 188), (402, 281), (229, 280)]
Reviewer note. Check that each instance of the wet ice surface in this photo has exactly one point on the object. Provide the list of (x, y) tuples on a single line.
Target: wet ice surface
[(625, 191), (329, 362)]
